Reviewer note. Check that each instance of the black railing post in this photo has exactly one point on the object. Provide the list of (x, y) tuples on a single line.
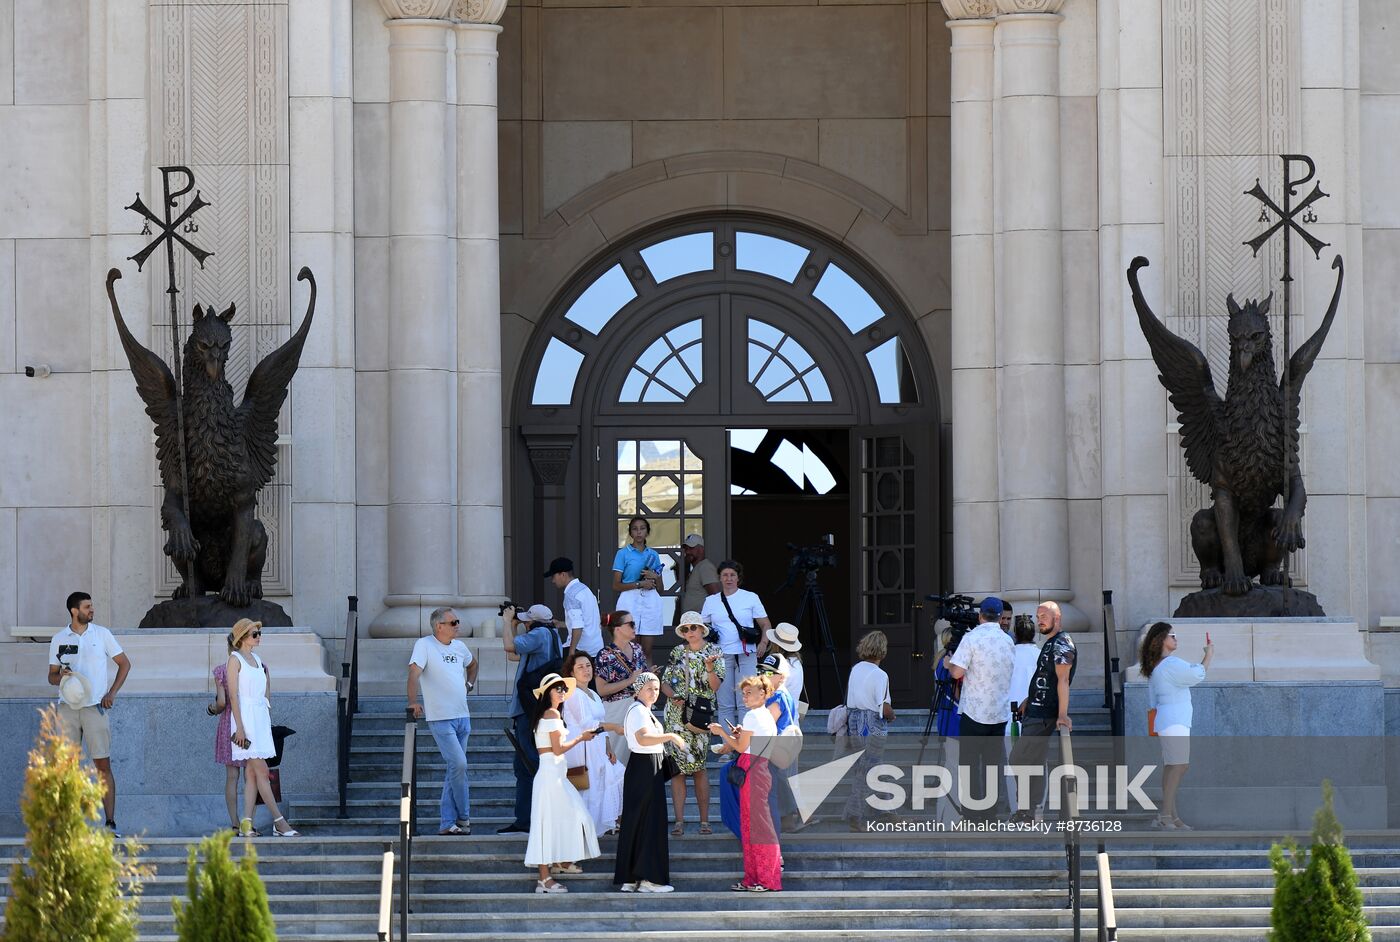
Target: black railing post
[(1109, 668)]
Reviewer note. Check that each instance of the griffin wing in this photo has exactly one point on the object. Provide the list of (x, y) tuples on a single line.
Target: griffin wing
[(1300, 364), (267, 390), (155, 384), (1186, 375)]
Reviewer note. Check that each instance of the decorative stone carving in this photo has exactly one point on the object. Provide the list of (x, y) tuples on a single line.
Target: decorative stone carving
[(486, 12), (1230, 97), (219, 106), (416, 9), (1030, 6), (550, 463), (970, 9)]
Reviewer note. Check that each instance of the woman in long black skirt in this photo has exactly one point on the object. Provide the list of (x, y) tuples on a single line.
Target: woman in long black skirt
[(643, 855)]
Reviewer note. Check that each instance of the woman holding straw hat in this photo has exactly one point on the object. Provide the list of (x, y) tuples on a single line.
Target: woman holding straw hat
[(561, 829), (643, 855), (248, 688), (695, 673)]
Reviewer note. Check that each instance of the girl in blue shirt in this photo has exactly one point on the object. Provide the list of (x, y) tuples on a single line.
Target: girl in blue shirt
[(637, 576)]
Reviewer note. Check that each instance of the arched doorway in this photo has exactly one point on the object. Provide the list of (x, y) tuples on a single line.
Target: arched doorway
[(749, 381)]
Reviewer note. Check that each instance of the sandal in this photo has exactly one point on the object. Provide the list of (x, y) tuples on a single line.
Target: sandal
[(550, 886), (705, 828), (741, 888), (566, 868), (678, 830)]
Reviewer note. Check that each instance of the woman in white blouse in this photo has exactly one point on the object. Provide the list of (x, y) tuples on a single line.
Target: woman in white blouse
[(643, 855), (729, 610), (758, 832), (584, 710), (1169, 683), (868, 714)]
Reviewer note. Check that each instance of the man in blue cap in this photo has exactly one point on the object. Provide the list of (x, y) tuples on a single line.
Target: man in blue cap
[(983, 662)]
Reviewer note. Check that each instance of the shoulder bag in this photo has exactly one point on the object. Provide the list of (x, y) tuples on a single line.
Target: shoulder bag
[(748, 634), (529, 680), (578, 777), (697, 712)]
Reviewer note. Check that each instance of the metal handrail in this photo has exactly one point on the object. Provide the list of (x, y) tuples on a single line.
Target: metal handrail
[(386, 896), (1112, 668), (1069, 815), (347, 698), (408, 818), (1108, 915)]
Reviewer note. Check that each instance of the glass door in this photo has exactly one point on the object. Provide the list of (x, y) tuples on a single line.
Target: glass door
[(674, 477)]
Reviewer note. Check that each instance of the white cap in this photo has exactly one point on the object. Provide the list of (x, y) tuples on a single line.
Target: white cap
[(540, 613)]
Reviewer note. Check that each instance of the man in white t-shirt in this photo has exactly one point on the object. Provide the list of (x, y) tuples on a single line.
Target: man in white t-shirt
[(446, 671), (581, 614), (984, 662), (78, 654)]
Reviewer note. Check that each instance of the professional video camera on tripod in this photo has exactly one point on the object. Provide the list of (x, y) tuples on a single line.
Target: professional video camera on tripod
[(808, 560), (960, 612)]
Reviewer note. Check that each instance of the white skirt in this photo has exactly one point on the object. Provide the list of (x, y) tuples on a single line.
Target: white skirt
[(645, 606), (561, 829), (257, 726)]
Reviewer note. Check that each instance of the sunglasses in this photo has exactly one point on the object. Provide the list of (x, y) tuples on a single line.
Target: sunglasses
[(1173, 637), (257, 634), (454, 622), (687, 629)]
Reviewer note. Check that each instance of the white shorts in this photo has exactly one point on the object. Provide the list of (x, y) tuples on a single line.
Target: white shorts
[(1176, 744), (645, 606)]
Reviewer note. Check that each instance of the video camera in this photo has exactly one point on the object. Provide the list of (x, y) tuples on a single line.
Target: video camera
[(959, 611), (813, 557)]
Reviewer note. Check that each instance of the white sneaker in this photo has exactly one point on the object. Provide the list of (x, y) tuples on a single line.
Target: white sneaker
[(628, 888), (646, 886)]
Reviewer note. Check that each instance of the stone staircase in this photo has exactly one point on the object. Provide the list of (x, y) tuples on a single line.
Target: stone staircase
[(837, 884)]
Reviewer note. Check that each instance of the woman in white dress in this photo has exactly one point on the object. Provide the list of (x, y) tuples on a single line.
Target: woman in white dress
[(561, 829), (584, 710), (248, 687)]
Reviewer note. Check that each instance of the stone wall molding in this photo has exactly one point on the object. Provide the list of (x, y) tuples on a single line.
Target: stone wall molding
[(988, 9), (483, 12), (418, 9)]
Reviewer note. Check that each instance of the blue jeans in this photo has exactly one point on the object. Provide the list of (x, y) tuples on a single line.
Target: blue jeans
[(451, 737), (524, 770), (728, 700)]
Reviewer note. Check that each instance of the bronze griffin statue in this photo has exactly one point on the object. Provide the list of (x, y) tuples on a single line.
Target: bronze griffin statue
[(1242, 447), (231, 452)]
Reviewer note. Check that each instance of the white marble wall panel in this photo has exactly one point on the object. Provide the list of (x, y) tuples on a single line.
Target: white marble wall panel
[(371, 169), (44, 151), (7, 306), (51, 295), (323, 412), (324, 561), (1085, 549), (9, 569), (1383, 452), (50, 52), (371, 560), (372, 436), (123, 56), (7, 52), (371, 51), (312, 135), (49, 416), (1078, 57), (578, 154), (1082, 432), (1383, 552), (127, 472), (330, 256), (122, 534), (371, 303), (54, 550)]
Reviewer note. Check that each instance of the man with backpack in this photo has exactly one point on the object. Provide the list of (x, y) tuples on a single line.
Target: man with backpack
[(538, 651)]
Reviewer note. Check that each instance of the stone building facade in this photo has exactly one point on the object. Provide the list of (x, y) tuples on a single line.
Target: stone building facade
[(498, 197)]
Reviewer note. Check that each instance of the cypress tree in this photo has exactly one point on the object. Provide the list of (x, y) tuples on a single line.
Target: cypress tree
[(227, 901), (1316, 898), (69, 888)]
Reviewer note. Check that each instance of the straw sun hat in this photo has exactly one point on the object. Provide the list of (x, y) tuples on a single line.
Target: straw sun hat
[(552, 679)]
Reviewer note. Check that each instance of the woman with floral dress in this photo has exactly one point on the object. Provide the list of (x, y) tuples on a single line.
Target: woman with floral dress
[(695, 673)]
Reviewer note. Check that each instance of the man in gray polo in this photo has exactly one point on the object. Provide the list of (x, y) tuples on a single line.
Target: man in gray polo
[(445, 670), (81, 651)]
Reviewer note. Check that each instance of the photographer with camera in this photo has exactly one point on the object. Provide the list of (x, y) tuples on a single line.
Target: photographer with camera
[(539, 651), (983, 662), (78, 668), (739, 617)]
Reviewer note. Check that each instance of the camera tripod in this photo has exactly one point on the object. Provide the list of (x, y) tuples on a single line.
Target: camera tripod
[(812, 596)]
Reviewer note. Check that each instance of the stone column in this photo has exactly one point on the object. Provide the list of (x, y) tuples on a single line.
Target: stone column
[(480, 522), (1030, 318), (976, 527), (422, 357)]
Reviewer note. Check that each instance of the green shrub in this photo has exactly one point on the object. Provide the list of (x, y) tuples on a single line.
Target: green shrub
[(228, 902), (69, 887), (1316, 898)]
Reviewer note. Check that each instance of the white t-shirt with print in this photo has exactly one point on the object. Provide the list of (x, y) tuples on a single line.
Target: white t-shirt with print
[(443, 682), (96, 646)]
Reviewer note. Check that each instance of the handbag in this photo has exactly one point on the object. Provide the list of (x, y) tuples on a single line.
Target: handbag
[(747, 634), (836, 719), (736, 774), (698, 712), (1152, 722), (670, 768), (578, 777)]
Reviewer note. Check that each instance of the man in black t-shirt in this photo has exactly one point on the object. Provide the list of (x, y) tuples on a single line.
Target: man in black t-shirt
[(1046, 707)]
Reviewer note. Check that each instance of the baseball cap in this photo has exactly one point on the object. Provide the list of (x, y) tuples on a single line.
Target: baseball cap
[(540, 613), (560, 564), (694, 539), (991, 606), (772, 663)]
